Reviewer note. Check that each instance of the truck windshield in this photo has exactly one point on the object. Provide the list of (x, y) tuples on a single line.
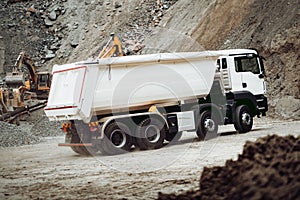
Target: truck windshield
[(246, 64)]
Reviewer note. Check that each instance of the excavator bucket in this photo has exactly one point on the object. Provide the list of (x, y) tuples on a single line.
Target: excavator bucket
[(14, 79)]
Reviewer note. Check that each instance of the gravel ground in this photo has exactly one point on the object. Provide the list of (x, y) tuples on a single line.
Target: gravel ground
[(46, 171), (44, 128), (32, 131), (12, 135)]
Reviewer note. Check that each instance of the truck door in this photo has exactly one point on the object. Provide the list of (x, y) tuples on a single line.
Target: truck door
[(248, 67), (225, 73)]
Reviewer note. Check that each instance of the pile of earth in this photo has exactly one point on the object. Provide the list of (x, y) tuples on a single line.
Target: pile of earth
[(31, 131), (267, 169), (45, 128), (12, 136)]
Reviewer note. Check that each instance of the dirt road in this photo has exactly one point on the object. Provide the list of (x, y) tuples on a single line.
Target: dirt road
[(45, 171)]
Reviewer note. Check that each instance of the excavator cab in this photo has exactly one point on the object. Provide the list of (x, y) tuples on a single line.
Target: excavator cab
[(43, 81)]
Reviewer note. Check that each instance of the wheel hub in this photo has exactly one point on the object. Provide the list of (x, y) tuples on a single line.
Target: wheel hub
[(152, 133), (246, 118), (209, 125), (118, 138)]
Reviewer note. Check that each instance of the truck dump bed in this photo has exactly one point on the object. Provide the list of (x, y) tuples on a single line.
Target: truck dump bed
[(119, 84)]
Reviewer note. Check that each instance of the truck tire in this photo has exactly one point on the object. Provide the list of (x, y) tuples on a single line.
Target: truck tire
[(207, 126), (244, 119), (173, 137), (84, 151), (117, 139), (150, 134), (75, 150)]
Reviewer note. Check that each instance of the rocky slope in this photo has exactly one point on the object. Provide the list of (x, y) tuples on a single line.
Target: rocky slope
[(61, 31), (22, 29), (55, 32), (271, 27)]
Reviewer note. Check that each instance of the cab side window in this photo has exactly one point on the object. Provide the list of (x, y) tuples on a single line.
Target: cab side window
[(246, 64)]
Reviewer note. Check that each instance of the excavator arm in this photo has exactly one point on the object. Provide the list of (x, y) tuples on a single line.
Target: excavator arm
[(25, 59), (113, 48), (16, 78)]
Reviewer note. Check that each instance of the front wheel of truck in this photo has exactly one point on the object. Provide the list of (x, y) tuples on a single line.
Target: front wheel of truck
[(207, 125), (244, 119)]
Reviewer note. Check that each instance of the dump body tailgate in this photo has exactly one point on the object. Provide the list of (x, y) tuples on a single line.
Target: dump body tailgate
[(71, 92)]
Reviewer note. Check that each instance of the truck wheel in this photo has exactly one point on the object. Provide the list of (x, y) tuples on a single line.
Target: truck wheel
[(75, 150), (117, 139), (150, 134), (173, 137), (244, 119), (207, 126), (85, 151)]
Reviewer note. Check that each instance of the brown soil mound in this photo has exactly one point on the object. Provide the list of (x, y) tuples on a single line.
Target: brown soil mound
[(267, 169)]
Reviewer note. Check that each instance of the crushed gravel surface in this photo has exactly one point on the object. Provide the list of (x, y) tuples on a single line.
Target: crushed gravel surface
[(12, 135), (44, 128), (46, 171), (30, 132)]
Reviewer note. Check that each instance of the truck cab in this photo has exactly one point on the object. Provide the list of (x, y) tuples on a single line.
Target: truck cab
[(243, 72), (243, 76)]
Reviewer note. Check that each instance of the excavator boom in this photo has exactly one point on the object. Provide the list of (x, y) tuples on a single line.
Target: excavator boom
[(113, 48)]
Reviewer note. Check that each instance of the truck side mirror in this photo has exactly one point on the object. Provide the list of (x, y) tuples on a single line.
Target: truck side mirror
[(261, 61)]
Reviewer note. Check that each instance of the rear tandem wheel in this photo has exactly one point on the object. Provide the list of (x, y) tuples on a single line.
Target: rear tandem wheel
[(117, 139), (150, 134), (82, 150)]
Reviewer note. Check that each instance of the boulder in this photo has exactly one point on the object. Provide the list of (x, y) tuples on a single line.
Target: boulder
[(48, 22), (52, 16), (288, 107)]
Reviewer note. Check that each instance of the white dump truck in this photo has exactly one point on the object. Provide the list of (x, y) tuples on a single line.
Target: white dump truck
[(115, 104)]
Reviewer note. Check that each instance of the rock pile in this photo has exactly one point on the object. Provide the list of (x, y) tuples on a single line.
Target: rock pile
[(11, 135), (267, 169), (31, 132), (44, 128)]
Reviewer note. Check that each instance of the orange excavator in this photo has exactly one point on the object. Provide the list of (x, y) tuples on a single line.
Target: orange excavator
[(36, 82), (21, 84), (113, 48)]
